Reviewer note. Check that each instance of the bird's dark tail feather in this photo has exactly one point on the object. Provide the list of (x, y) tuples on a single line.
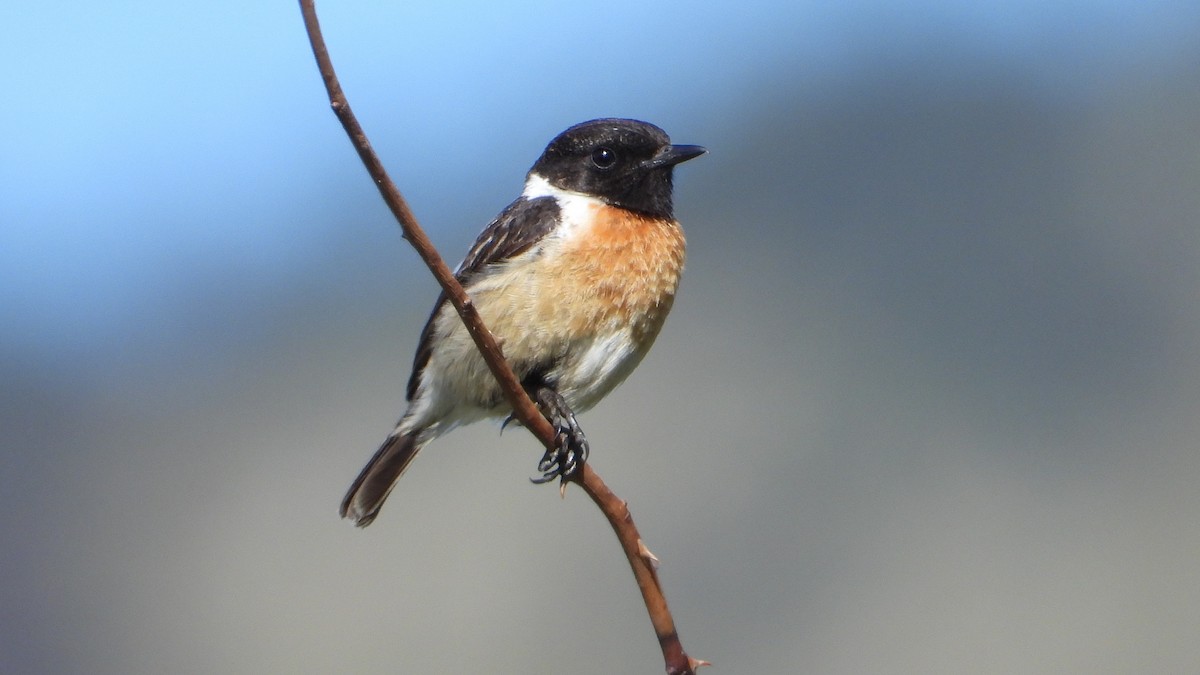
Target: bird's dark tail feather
[(378, 477)]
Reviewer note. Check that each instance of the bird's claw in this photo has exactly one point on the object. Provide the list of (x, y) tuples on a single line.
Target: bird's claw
[(571, 451), (565, 460)]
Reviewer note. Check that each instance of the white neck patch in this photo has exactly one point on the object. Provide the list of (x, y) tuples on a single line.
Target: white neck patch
[(537, 186), (576, 207)]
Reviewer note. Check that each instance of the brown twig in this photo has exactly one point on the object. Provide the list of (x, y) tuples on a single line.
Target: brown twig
[(615, 509)]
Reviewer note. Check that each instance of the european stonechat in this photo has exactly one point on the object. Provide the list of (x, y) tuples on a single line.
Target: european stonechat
[(574, 278)]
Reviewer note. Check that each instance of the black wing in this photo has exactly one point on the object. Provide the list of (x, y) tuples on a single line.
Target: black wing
[(518, 227)]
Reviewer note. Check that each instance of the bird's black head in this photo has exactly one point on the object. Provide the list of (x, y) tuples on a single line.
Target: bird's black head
[(625, 163)]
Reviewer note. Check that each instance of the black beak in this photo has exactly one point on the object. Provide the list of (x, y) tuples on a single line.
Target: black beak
[(674, 154)]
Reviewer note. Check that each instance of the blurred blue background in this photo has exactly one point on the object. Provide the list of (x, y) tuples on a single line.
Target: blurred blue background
[(927, 402)]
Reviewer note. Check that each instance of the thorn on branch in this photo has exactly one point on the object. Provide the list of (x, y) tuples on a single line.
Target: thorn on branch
[(647, 555)]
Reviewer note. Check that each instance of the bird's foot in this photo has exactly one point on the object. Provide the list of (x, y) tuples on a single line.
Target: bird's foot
[(565, 460)]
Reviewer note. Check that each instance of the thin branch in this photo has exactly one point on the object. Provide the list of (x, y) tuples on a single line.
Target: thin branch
[(615, 509)]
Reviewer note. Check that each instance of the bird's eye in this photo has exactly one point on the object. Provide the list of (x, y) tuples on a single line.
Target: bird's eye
[(604, 158)]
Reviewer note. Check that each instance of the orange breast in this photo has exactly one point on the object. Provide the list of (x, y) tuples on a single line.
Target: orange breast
[(621, 272)]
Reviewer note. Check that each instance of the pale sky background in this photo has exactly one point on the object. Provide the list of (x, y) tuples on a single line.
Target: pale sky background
[(928, 402)]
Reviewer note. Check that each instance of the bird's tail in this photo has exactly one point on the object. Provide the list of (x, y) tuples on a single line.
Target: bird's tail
[(379, 476)]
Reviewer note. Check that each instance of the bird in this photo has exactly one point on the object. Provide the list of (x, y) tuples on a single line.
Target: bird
[(574, 279)]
